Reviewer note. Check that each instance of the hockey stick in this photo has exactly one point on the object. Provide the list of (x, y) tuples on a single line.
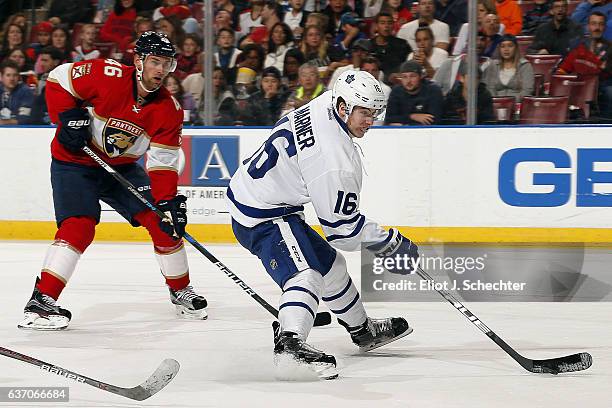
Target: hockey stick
[(573, 362), (159, 379), (321, 318)]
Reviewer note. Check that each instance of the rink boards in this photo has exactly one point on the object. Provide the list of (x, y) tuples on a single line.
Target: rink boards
[(438, 184)]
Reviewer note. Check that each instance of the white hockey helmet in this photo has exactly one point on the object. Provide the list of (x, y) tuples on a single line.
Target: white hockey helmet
[(358, 88)]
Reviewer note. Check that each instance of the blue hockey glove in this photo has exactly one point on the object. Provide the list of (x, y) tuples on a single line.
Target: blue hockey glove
[(74, 131), (175, 210), (400, 255)]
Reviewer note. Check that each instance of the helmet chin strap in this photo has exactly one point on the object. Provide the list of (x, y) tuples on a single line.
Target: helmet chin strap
[(139, 77)]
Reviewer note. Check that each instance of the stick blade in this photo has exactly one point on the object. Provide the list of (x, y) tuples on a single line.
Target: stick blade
[(162, 376), (574, 362)]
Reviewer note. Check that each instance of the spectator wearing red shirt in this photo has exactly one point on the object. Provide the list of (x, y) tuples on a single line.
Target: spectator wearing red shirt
[(400, 13), (591, 56), (43, 38), (120, 22), (181, 11), (187, 60)]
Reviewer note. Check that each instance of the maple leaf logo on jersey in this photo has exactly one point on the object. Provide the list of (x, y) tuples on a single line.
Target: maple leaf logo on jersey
[(119, 135)]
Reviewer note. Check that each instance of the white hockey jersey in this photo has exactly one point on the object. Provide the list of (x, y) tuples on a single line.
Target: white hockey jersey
[(309, 157)]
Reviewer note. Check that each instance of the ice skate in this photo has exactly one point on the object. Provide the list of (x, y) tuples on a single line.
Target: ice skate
[(377, 332), (189, 305), (41, 313), (288, 346)]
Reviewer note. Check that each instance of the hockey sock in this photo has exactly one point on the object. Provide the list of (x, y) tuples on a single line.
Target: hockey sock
[(170, 253), (72, 238), (341, 295), (299, 302)]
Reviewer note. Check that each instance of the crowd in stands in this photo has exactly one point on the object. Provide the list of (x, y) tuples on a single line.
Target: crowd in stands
[(273, 56)]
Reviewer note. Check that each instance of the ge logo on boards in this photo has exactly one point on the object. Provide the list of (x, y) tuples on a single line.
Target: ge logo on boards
[(555, 188)]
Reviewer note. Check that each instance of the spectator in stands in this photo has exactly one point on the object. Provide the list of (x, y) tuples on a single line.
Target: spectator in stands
[(19, 19), (440, 30), (226, 56), (400, 13), (71, 12), (252, 57), (251, 17), (263, 108), (173, 85), (349, 32), (60, 39), (15, 96), (120, 22), (86, 50), (455, 102), (25, 65), (49, 58), (360, 50), (271, 14), (390, 51), (223, 19), (538, 15), (416, 101), (587, 7), (42, 32), (453, 13), (511, 74), (334, 11), (318, 19), (232, 10), (591, 56), (103, 10), (555, 36), (485, 7), (194, 83), (428, 56), (187, 58), (490, 28), (310, 87), (141, 25), (291, 66), (172, 27), (295, 17), (13, 37), (224, 103), (446, 75), (315, 47), (281, 39), (181, 11), (510, 15)]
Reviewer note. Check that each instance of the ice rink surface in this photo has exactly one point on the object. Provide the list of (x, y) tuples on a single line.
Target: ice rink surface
[(123, 326)]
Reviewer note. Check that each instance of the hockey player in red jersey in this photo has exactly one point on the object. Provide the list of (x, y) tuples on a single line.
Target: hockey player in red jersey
[(121, 113)]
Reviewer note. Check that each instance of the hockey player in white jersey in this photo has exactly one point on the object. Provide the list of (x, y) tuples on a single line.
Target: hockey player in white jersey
[(310, 157)]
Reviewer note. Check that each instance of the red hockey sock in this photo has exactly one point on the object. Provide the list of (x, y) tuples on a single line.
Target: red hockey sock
[(169, 252), (50, 285)]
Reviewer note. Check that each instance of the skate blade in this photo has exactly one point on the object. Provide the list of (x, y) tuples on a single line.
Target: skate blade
[(188, 314), (33, 321), (377, 345), (287, 368)]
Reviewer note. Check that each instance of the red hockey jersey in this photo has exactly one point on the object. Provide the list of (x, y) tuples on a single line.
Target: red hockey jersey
[(122, 131)]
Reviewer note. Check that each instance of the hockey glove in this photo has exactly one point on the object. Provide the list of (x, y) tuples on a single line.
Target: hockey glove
[(400, 255), (176, 216), (74, 132)]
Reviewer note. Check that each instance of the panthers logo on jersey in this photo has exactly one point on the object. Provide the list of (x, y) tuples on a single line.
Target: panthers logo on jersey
[(119, 135)]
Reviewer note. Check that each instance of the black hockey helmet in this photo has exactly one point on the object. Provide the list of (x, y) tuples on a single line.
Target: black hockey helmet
[(154, 43)]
